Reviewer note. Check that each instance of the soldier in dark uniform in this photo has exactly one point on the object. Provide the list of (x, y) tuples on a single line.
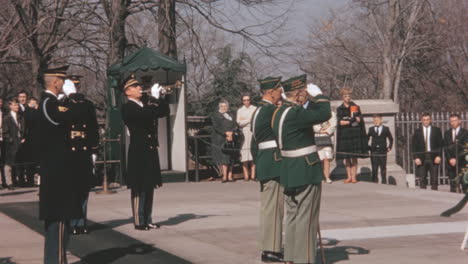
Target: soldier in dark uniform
[(58, 200), (143, 170), (267, 159), (83, 139)]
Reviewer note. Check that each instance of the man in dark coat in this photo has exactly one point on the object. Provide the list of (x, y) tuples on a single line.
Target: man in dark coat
[(455, 138), (12, 130), (143, 170), (378, 136), (58, 199), (83, 140), (427, 148)]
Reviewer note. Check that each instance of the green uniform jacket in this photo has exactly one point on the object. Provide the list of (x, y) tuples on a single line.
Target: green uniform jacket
[(304, 170), (267, 161)]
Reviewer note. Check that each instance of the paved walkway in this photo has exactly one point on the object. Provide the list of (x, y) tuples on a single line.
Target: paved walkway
[(217, 223)]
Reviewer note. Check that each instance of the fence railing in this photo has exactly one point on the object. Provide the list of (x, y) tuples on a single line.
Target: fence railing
[(406, 124)]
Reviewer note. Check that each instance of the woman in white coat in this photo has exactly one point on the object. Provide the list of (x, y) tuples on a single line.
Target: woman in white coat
[(244, 117), (325, 151)]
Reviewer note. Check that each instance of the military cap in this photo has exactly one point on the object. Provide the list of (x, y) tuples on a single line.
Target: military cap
[(76, 79), (270, 83), (57, 71), (295, 83), (131, 81)]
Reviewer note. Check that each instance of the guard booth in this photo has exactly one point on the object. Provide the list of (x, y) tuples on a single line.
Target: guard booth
[(149, 67)]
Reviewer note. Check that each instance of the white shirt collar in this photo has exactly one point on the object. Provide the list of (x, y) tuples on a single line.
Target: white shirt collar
[(22, 107), (306, 104), (140, 103), (15, 116), (48, 91)]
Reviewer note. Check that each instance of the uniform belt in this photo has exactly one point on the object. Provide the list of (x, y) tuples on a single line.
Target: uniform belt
[(299, 152), (75, 134), (267, 145)]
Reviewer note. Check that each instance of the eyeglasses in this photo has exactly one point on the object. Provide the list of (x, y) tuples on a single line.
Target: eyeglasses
[(245, 100)]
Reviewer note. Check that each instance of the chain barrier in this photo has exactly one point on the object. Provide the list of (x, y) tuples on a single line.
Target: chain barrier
[(437, 151)]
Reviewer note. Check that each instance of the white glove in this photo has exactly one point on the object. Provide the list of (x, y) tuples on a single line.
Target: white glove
[(313, 90), (156, 90), (60, 96), (69, 87), (94, 157)]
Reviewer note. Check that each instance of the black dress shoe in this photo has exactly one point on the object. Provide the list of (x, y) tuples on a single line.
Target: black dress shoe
[(153, 226), (142, 227), (11, 187), (268, 256)]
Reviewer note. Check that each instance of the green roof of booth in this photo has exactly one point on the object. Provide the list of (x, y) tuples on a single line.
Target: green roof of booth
[(142, 60)]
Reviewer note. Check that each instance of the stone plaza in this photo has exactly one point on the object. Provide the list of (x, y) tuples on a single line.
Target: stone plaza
[(209, 222)]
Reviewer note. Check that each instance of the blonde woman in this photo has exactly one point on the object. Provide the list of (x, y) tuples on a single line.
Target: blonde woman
[(351, 135), (244, 117)]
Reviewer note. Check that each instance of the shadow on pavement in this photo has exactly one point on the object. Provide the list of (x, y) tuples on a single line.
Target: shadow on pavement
[(102, 246), (6, 260), (15, 193), (339, 253), (111, 255), (182, 218), (110, 224)]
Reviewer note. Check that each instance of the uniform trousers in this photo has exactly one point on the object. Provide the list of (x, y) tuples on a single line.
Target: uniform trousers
[(81, 222), (302, 216), (271, 216), (379, 161), (428, 166), (56, 242), (142, 206)]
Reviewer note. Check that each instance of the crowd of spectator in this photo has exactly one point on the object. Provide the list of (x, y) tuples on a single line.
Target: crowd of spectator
[(18, 132), (231, 137)]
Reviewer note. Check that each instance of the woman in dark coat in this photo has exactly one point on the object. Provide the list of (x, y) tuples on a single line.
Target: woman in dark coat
[(223, 128), (351, 135)]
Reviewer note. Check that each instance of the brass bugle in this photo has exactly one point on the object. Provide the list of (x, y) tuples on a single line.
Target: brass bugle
[(167, 89)]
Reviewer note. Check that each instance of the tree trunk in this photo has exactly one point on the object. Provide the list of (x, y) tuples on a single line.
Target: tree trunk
[(38, 66), (119, 13), (167, 28)]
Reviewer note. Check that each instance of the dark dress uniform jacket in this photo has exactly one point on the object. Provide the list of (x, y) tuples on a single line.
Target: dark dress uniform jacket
[(419, 146), (12, 135), (83, 139), (143, 170), (267, 161), (379, 142), (58, 196)]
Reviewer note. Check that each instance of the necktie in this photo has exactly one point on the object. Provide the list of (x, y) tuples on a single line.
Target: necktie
[(425, 139)]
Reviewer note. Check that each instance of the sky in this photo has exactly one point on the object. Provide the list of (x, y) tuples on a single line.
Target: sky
[(301, 14)]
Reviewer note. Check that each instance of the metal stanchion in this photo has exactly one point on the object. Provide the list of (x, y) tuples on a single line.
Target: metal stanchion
[(197, 174), (105, 189)]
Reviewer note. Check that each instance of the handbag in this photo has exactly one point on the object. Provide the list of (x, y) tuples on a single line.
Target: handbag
[(323, 140)]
